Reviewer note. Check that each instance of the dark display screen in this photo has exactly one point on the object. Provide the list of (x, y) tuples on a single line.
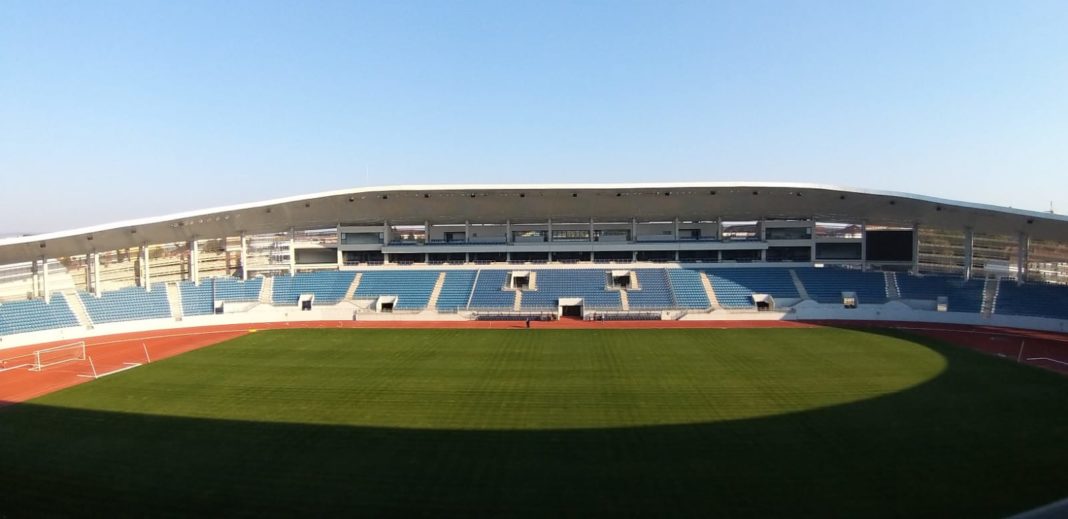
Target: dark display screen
[(889, 246)]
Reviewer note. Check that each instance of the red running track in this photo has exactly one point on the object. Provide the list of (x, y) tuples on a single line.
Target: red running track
[(115, 352)]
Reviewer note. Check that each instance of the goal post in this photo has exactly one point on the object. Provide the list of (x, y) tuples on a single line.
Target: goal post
[(55, 355)]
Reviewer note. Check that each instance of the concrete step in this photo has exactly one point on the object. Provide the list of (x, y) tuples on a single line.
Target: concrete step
[(433, 303)]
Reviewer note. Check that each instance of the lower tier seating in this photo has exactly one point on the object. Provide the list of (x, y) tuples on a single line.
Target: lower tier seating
[(412, 288), (735, 286), (455, 290), (127, 304), (200, 299), (329, 286), (1032, 299), (35, 315), (589, 284), (825, 285)]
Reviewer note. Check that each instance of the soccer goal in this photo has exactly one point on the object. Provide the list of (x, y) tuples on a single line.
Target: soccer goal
[(63, 353)]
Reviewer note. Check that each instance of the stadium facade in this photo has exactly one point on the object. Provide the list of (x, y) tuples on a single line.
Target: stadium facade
[(601, 251)]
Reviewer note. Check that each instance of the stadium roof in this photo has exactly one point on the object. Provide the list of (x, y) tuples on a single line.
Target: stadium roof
[(537, 202)]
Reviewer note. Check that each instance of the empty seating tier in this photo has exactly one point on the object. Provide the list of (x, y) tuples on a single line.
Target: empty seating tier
[(412, 287), (35, 315), (328, 286), (200, 299), (588, 284), (1035, 300), (963, 296), (826, 285), (688, 289), (489, 292), (735, 286), (127, 304), (654, 292), (455, 290)]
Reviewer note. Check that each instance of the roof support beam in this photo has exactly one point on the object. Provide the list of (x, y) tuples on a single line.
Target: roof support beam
[(95, 262), (194, 261), (292, 252), (146, 280), (969, 252), (916, 248), (244, 257), (1021, 258), (44, 280)]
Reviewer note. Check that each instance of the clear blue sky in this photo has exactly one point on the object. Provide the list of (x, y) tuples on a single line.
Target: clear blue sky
[(112, 110)]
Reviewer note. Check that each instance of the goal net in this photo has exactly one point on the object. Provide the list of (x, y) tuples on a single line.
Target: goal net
[(74, 351)]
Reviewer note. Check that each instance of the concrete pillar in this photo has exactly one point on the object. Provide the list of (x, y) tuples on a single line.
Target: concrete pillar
[(591, 229), (194, 261), (969, 252), (1021, 258), (467, 231), (96, 273), (549, 233), (916, 248), (634, 229), (146, 274), (292, 252), (44, 280), (864, 245), (675, 229), (508, 231), (812, 236), (244, 257), (35, 280), (340, 254)]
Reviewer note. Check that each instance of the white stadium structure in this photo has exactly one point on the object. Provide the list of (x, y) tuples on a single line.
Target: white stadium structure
[(593, 251)]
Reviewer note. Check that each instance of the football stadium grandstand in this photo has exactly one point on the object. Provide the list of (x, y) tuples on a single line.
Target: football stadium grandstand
[(667, 251), (772, 350)]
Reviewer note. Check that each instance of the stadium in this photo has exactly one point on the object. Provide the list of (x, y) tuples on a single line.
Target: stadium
[(745, 349)]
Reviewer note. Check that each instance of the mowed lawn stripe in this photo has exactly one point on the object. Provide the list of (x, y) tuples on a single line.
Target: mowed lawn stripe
[(807, 422)]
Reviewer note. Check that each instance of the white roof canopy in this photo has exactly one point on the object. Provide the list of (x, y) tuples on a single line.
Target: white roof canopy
[(737, 201)]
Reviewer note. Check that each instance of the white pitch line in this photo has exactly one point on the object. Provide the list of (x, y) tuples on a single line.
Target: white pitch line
[(1048, 359)]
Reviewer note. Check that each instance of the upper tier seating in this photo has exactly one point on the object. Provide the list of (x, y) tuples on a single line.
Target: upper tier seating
[(35, 315), (412, 287), (489, 291), (200, 300), (688, 289), (654, 293), (826, 285), (455, 290), (1032, 299), (963, 296), (589, 284), (127, 304), (735, 286), (329, 286)]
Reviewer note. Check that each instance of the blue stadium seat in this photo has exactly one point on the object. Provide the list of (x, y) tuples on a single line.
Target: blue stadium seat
[(455, 290), (735, 287), (200, 300), (963, 296), (825, 285), (1032, 299), (589, 284), (489, 291), (654, 293), (329, 286), (127, 304), (412, 287), (35, 315), (688, 289)]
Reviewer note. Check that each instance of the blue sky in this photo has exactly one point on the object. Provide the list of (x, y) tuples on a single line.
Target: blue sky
[(113, 110)]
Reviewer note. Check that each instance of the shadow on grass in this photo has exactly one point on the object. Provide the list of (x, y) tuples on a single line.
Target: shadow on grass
[(983, 439)]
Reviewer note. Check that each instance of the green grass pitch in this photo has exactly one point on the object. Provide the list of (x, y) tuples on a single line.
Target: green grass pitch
[(734, 423)]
